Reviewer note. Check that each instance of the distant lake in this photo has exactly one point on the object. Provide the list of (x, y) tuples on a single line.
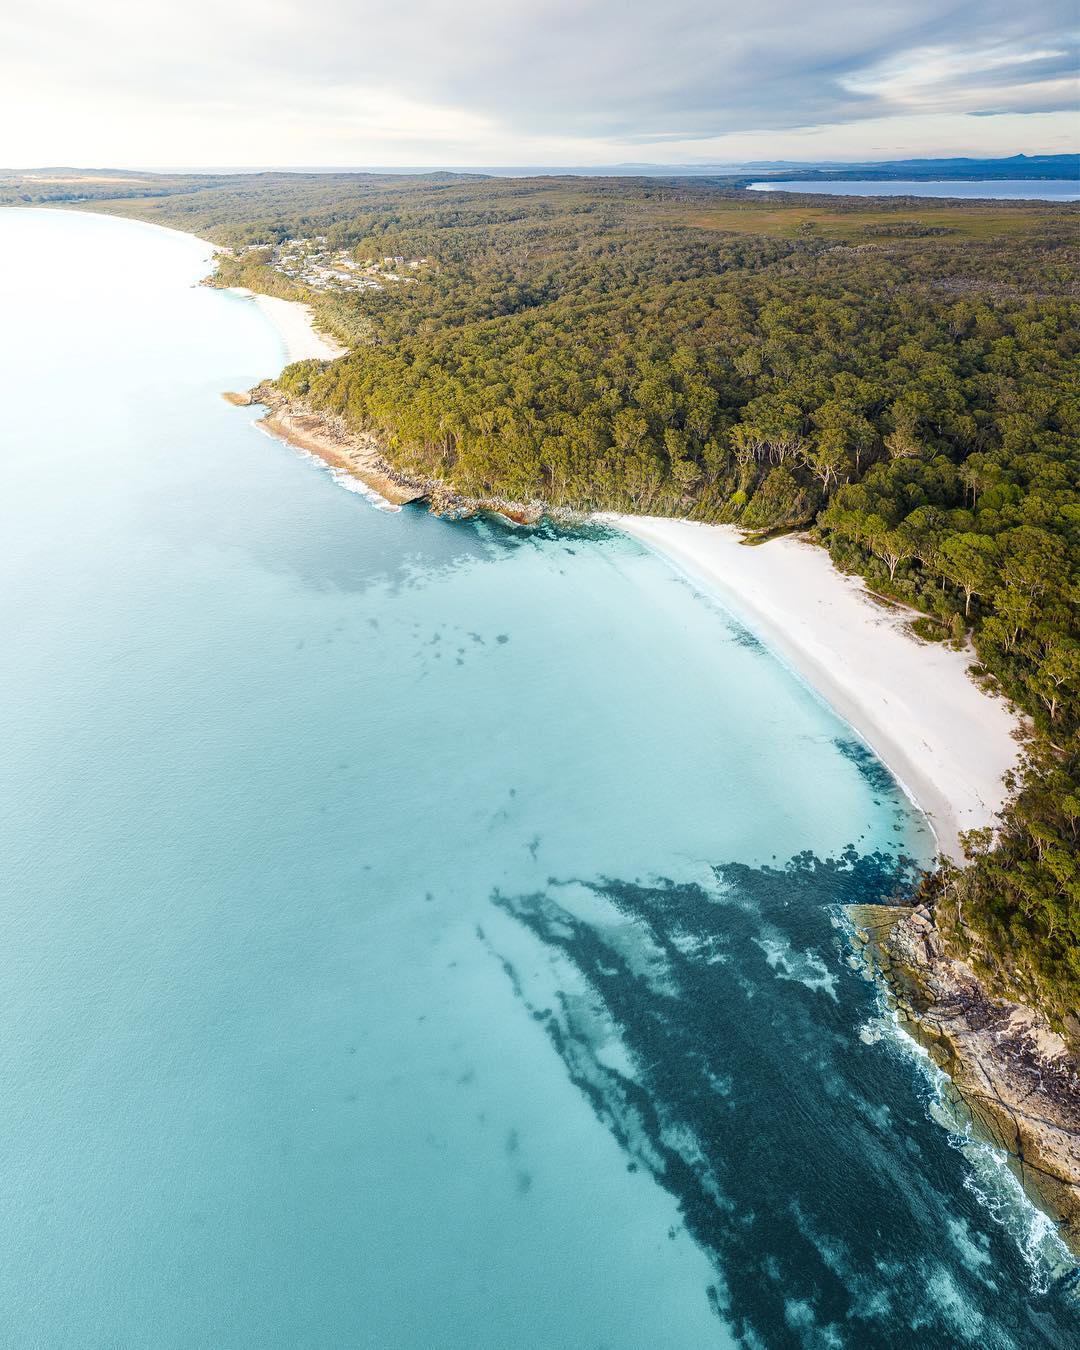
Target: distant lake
[(1004, 189)]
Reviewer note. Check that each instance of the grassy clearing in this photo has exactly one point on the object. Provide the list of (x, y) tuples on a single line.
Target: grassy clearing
[(859, 225)]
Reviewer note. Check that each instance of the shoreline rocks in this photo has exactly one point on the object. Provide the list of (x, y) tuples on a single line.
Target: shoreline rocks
[(332, 441), (1012, 1074), (361, 454)]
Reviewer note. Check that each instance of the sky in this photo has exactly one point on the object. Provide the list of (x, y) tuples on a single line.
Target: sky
[(139, 83)]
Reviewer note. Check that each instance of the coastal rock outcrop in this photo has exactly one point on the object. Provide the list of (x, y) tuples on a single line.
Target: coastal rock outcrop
[(1013, 1076), (331, 440), (362, 455)]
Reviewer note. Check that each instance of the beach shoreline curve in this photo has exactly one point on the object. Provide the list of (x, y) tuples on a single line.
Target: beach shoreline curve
[(948, 743)]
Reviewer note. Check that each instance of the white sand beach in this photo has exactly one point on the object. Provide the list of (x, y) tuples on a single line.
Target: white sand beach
[(912, 702), (292, 319), (296, 326)]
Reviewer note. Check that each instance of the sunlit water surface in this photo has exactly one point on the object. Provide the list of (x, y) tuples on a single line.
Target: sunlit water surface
[(401, 945), (995, 189)]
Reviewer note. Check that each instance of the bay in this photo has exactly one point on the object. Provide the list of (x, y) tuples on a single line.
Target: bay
[(418, 933)]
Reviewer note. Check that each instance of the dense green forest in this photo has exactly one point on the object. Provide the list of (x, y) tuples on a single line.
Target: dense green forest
[(898, 377)]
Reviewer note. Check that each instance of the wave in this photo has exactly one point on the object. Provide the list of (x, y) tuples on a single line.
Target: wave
[(990, 1179), (342, 477)]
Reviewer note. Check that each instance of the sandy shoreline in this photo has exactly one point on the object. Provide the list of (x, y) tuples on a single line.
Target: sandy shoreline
[(358, 456), (292, 318), (948, 743), (296, 327)]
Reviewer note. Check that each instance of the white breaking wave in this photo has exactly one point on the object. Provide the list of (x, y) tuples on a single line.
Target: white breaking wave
[(990, 1179), (342, 477), (351, 483)]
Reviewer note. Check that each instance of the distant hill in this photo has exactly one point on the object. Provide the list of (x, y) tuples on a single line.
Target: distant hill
[(1015, 166)]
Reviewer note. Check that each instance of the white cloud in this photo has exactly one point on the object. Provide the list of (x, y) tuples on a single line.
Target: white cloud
[(973, 77), (366, 82)]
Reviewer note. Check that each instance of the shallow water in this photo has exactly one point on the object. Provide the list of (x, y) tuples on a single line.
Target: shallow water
[(401, 940), (996, 189)]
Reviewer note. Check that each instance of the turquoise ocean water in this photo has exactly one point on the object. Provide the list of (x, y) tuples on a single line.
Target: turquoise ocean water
[(418, 934)]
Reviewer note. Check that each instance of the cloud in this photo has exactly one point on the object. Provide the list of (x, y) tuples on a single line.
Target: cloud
[(322, 81), (964, 78)]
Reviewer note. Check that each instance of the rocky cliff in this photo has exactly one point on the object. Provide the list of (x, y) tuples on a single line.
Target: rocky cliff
[(1013, 1074)]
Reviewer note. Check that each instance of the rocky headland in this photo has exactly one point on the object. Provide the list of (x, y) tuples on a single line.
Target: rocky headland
[(1012, 1075), (361, 454)]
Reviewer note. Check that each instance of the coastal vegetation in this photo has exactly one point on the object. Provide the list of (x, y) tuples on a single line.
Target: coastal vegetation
[(898, 378)]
